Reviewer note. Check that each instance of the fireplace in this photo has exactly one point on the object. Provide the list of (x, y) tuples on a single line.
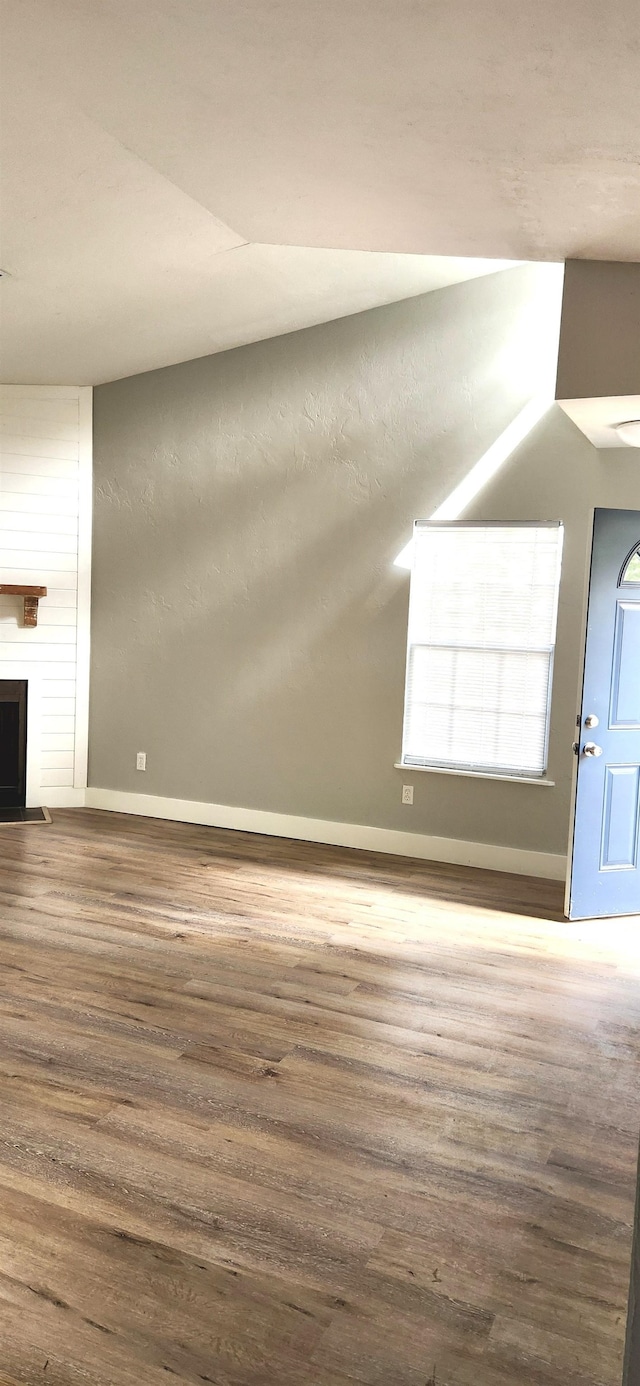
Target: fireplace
[(13, 743)]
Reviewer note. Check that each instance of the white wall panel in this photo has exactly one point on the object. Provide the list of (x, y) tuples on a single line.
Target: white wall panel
[(14, 426), (22, 502), (37, 545), (21, 649), (45, 539), (63, 742), (39, 392), (20, 520), (42, 475), (61, 616), (46, 577), (57, 686), (60, 707), (57, 760), (54, 724), (40, 448), (61, 601), (35, 559), (55, 779)]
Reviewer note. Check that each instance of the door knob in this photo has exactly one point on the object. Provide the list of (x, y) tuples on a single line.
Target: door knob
[(590, 749), (592, 720)]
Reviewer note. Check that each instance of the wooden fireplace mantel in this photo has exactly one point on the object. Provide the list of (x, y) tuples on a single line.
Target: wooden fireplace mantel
[(31, 596)]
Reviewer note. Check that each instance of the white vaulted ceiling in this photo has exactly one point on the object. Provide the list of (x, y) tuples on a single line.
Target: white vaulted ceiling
[(181, 176)]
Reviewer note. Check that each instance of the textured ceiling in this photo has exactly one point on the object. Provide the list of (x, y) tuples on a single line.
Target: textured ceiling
[(146, 142)]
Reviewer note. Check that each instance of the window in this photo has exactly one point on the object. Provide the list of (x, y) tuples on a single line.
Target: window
[(630, 575), (482, 621)]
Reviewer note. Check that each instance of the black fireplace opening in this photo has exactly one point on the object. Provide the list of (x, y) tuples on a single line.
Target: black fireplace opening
[(13, 743)]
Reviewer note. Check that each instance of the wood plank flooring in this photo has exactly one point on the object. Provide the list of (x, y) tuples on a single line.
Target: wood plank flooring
[(275, 1114)]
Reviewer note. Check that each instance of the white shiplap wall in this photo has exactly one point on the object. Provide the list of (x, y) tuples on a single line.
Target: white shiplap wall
[(45, 539)]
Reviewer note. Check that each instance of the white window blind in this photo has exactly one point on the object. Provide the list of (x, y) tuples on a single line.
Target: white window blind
[(482, 623)]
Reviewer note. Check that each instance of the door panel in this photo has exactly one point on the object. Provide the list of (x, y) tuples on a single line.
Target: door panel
[(625, 684), (620, 836), (605, 867)]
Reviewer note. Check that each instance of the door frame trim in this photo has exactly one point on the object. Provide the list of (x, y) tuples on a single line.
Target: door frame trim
[(577, 727)]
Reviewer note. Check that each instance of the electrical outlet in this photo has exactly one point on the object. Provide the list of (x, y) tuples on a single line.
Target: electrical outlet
[(141, 760), (407, 793)]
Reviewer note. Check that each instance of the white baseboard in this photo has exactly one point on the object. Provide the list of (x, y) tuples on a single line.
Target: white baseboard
[(401, 844)]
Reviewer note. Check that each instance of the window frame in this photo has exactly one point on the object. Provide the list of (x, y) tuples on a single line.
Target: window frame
[(624, 581), (478, 770)]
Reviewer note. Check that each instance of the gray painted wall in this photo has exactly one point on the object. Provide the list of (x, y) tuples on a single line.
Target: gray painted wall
[(600, 338), (248, 625)]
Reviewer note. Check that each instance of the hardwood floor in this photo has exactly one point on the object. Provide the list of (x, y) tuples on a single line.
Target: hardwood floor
[(276, 1114)]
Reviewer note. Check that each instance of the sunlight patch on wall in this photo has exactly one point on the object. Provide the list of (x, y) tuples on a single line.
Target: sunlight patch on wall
[(528, 358), (493, 459), (486, 468)]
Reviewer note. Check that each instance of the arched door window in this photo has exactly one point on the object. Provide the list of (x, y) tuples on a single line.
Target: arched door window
[(630, 571)]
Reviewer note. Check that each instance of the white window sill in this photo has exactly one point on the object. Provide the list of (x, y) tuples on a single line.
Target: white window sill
[(475, 774)]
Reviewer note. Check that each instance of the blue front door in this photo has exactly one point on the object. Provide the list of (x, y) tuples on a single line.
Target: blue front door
[(605, 870)]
